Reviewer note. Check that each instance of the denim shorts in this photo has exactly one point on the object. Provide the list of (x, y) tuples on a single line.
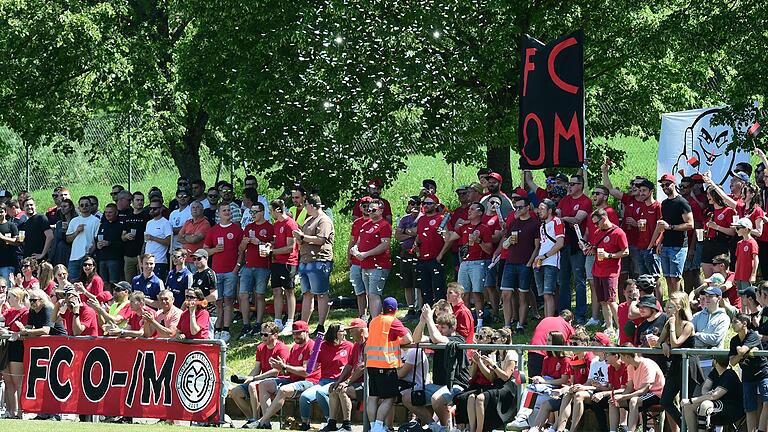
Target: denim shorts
[(753, 389), (226, 284), (374, 280), (254, 279), (356, 279), (298, 386), (315, 277), (431, 389), (472, 275), (491, 274), (516, 277), (647, 262), (589, 262), (695, 262), (673, 260), (546, 279)]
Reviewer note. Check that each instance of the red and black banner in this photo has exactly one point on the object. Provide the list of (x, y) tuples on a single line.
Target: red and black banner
[(119, 377), (551, 128)]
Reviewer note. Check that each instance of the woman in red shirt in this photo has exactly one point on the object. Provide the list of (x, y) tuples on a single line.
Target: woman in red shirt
[(45, 276), (27, 279), (195, 321), (718, 231), (15, 319), (92, 282)]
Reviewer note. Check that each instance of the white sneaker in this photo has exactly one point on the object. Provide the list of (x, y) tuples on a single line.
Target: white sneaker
[(592, 323), (224, 336), (217, 334), (520, 424), (610, 332)]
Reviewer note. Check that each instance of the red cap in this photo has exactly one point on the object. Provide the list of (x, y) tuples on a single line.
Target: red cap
[(104, 296), (668, 177), (300, 326), (495, 175), (365, 199), (697, 178), (603, 339), (520, 192), (357, 323), (375, 183), (434, 198)]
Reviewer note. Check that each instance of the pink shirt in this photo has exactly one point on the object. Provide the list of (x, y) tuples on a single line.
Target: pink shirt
[(647, 372)]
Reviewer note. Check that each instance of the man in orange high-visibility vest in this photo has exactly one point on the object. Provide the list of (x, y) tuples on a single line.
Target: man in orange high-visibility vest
[(385, 335)]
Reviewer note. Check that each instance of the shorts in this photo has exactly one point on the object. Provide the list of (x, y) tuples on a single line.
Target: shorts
[(382, 383), (356, 279), (254, 279), (491, 274), (226, 283), (606, 288), (546, 279), (283, 276), (589, 262), (472, 275), (714, 247), (16, 351), (673, 260), (649, 400), (647, 261), (555, 404), (279, 382), (695, 262), (374, 280), (753, 389), (516, 277), (407, 271), (447, 396), (316, 277)]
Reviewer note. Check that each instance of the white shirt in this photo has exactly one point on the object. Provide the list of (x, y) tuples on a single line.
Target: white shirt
[(86, 238), (159, 228), (206, 204), (178, 218), (409, 357), (598, 371), (554, 229)]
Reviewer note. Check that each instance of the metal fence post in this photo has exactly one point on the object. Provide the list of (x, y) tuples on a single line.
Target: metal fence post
[(366, 424), (684, 390)]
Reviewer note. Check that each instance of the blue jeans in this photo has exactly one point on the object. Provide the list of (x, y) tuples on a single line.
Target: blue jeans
[(111, 271), (73, 268), (254, 279), (316, 277), (226, 284), (754, 390), (673, 260), (516, 276), (319, 393), (356, 279), (430, 279), (646, 261), (374, 280), (472, 275), (573, 265), (546, 279)]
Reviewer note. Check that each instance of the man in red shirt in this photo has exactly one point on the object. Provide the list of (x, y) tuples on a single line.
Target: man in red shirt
[(428, 247), (257, 236), (222, 241), (355, 271), (285, 264), (372, 249), (78, 318), (349, 385), (747, 260), (464, 321), (609, 244), (246, 394), (600, 195), (573, 210), (374, 192)]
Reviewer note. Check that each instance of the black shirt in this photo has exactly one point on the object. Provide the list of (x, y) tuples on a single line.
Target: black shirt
[(672, 211), (653, 327), (136, 222), (111, 232), (8, 252), (205, 281), (730, 382), (123, 215), (34, 234), (42, 319), (752, 368), (440, 372)]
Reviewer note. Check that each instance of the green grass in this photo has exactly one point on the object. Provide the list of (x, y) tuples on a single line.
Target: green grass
[(66, 426)]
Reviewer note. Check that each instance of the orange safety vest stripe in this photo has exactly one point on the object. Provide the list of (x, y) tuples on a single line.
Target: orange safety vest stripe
[(380, 352)]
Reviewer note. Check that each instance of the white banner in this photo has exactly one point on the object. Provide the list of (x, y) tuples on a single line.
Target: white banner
[(688, 143)]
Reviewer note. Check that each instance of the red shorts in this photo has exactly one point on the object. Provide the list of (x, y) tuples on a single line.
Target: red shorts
[(606, 288)]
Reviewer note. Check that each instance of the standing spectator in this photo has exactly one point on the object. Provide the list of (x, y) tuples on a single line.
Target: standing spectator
[(180, 216), (257, 238), (561, 324), (643, 389), (719, 233), (81, 233), (78, 319), (677, 219), (61, 248), (9, 232), (372, 249), (315, 241), (123, 204), (157, 237), (109, 245), (179, 277), (134, 226), (494, 181), (147, 281), (574, 209), (406, 235), (89, 280), (227, 193), (250, 196), (298, 210), (204, 278), (712, 407), (192, 234), (692, 270), (609, 243), (754, 372), (464, 321), (522, 241), (250, 182), (355, 271), (600, 197), (430, 274), (198, 193), (285, 262), (95, 206), (710, 324), (547, 263), (223, 241), (182, 183), (38, 234), (746, 257), (374, 192), (382, 354), (15, 319), (213, 207), (195, 320), (52, 213)]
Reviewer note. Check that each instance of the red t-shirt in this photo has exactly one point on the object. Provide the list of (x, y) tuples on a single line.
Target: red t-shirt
[(623, 316), (617, 378), (651, 214), (758, 213), (27, 284), (355, 234), (331, 360), (266, 234), (612, 216), (555, 367), (541, 194), (722, 217), (465, 324), (630, 204), (745, 250), (13, 316), (226, 260), (733, 292), (298, 355), (283, 230), (613, 240), (474, 252), (203, 319), (95, 287), (698, 212), (264, 353), (87, 318), (357, 356), (136, 319), (547, 325), (580, 367), (430, 241), (357, 213), (371, 235), (569, 206)]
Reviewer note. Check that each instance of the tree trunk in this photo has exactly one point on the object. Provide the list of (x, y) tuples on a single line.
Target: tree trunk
[(498, 161), (186, 154)]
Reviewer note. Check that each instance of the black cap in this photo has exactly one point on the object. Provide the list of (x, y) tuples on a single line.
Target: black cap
[(648, 301)]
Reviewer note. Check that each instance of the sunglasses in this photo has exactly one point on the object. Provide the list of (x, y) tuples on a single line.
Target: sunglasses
[(520, 207), (264, 334), (34, 300), (197, 258), (666, 184), (25, 266), (87, 264), (54, 196), (154, 208), (597, 193), (179, 256), (182, 196)]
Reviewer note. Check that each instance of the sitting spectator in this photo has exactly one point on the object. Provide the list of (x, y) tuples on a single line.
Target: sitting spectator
[(137, 320), (413, 375), (617, 382), (710, 325), (163, 323), (349, 385), (465, 326), (482, 376), (89, 280), (78, 318), (628, 313), (46, 277), (40, 321), (489, 410), (292, 379), (560, 324), (15, 318), (711, 407), (645, 382), (246, 394), (118, 312), (195, 321), (649, 331), (754, 371), (26, 279)]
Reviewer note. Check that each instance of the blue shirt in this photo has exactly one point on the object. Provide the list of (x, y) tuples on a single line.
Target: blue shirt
[(178, 282), (150, 287)]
